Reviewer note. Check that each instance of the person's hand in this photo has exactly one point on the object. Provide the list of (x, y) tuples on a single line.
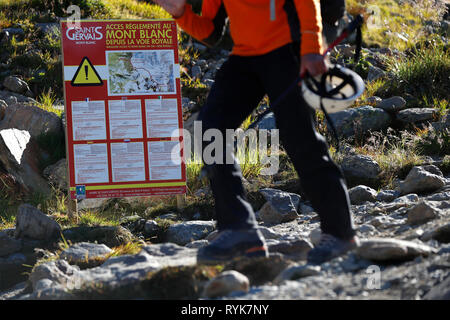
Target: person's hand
[(314, 64), (174, 7)]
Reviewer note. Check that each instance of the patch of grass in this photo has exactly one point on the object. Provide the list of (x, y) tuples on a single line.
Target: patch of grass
[(132, 247), (434, 142), (424, 74), (396, 23), (395, 154), (46, 101), (132, 9)]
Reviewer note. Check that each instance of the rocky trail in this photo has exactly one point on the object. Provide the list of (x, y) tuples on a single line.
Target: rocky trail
[(404, 252)]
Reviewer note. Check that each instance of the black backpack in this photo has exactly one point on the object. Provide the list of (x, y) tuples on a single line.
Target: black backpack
[(332, 10)]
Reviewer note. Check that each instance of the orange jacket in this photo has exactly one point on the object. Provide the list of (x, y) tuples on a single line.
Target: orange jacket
[(255, 27)]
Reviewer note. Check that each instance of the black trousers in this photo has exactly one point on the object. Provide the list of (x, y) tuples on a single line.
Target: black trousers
[(239, 86)]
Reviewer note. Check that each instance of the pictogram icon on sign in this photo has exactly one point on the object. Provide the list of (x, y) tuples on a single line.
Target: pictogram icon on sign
[(86, 75)]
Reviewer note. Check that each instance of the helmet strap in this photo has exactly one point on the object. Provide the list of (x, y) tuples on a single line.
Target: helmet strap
[(330, 123)]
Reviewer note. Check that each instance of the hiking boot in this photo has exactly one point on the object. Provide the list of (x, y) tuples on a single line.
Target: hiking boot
[(231, 244), (331, 247)]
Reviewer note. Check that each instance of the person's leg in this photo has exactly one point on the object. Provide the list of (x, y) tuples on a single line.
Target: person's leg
[(233, 96), (235, 93), (320, 177)]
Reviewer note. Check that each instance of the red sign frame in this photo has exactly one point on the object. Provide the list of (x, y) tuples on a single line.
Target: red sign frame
[(103, 41)]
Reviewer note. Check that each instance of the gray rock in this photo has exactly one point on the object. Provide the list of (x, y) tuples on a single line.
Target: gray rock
[(367, 228), (439, 292), (409, 198), (169, 216), (225, 283), (443, 124), (59, 272), (8, 245), (85, 252), (374, 100), (32, 119), (12, 98), (362, 119), (315, 236), (3, 106), (280, 206), (391, 250), (420, 179), (440, 233), (361, 194), (387, 195), (57, 174), (297, 271), (151, 228), (185, 232), (442, 196), (18, 157), (393, 104), (360, 168), (15, 84), (197, 244), (32, 223), (196, 72), (297, 249), (414, 115), (171, 255), (16, 141), (268, 233), (375, 73), (422, 212)]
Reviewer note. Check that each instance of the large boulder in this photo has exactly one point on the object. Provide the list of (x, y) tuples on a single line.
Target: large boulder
[(422, 179), (225, 283), (33, 224), (12, 98), (422, 212), (85, 252), (16, 84), (361, 194), (392, 104), (280, 206), (414, 115), (391, 250), (360, 169), (19, 157), (32, 119), (358, 120)]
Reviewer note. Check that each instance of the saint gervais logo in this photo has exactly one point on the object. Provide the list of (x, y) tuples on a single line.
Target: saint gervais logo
[(86, 33)]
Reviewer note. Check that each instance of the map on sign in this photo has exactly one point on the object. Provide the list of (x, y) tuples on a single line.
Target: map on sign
[(140, 72)]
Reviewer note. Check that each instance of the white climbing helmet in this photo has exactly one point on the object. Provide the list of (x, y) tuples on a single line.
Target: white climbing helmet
[(335, 90)]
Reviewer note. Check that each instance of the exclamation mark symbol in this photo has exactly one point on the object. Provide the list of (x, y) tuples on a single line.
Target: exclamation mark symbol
[(86, 72)]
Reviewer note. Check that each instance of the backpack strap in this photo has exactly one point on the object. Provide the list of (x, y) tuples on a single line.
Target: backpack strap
[(272, 10)]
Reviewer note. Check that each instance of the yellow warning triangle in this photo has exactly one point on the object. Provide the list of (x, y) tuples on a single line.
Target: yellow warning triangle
[(86, 75)]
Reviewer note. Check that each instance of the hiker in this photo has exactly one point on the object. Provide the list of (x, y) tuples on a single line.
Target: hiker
[(266, 58)]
